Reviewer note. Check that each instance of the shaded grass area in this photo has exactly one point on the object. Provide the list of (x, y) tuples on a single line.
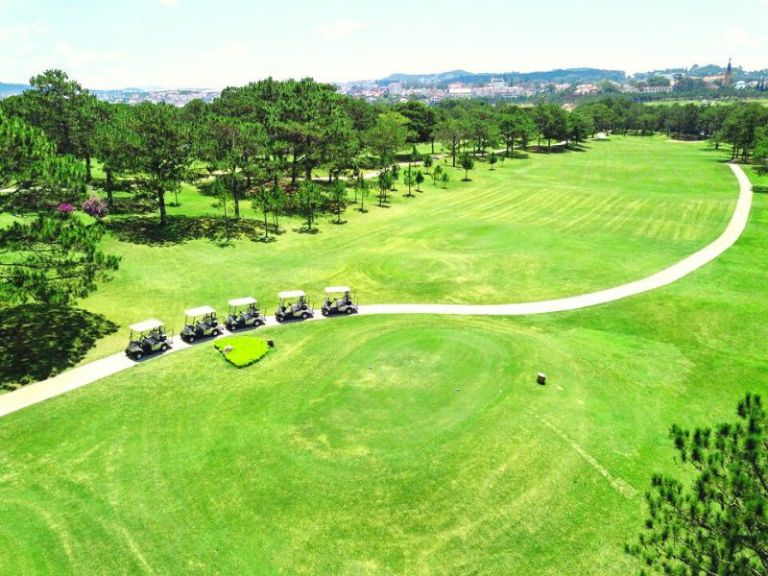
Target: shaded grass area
[(544, 227), (182, 228), (38, 341)]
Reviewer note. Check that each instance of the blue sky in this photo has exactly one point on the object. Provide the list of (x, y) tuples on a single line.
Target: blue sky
[(202, 43)]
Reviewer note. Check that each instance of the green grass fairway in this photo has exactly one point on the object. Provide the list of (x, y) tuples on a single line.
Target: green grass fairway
[(370, 446), (544, 227)]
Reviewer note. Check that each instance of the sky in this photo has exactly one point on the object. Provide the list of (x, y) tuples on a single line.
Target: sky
[(212, 44)]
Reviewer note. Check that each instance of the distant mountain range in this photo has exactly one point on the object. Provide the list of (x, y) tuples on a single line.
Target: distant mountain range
[(560, 76), (443, 79), (11, 89)]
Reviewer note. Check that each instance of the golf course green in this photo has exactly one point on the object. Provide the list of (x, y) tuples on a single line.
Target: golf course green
[(408, 445), (543, 227)]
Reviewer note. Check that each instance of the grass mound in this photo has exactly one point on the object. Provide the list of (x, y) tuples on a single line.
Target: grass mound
[(242, 351)]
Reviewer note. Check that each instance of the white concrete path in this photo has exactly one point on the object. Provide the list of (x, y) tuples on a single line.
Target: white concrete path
[(88, 373)]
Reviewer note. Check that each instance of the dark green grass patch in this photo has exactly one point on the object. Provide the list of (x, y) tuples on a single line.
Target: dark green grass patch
[(242, 351)]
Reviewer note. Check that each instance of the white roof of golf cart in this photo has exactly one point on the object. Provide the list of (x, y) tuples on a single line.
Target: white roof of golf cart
[(291, 294), (146, 325), (200, 311), (242, 301), (336, 289)]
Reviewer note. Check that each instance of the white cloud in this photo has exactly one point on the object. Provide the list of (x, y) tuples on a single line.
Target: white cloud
[(340, 29)]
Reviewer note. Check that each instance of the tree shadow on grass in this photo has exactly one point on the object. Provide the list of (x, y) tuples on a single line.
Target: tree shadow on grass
[(304, 230), (180, 229), (39, 341), (580, 147), (130, 205)]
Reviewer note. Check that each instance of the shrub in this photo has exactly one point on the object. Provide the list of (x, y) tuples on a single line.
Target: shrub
[(65, 209), (95, 207), (242, 351)]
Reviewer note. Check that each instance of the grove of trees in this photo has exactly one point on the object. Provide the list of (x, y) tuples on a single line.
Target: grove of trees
[(265, 143)]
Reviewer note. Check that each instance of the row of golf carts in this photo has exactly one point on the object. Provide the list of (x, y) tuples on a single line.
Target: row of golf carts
[(150, 336)]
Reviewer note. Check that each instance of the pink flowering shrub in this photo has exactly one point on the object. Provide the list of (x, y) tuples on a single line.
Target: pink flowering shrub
[(95, 207), (65, 209)]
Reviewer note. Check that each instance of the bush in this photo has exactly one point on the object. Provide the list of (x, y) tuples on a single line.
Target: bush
[(95, 207), (760, 189), (65, 209), (245, 350)]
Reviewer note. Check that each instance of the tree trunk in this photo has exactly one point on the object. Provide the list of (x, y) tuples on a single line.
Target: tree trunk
[(266, 226), (88, 175), (432, 142), (161, 202), (236, 196), (109, 185)]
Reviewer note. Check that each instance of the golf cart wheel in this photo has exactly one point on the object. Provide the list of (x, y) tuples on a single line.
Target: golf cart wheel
[(279, 318), (306, 315), (164, 347), (325, 312), (349, 311), (215, 332), (190, 339), (137, 356)]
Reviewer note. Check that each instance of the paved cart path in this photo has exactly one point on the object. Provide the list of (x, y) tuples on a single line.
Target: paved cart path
[(93, 371)]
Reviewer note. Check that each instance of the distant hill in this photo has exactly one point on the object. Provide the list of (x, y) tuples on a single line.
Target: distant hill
[(569, 75), (11, 89), (696, 71)]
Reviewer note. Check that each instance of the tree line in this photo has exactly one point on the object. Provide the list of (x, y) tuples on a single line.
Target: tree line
[(264, 143)]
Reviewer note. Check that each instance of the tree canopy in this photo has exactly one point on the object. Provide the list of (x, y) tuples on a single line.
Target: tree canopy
[(718, 522)]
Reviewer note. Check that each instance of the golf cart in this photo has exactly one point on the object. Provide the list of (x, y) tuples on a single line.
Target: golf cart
[(243, 313), (292, 306), (199, 323), (338, 300), (147, 338)]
